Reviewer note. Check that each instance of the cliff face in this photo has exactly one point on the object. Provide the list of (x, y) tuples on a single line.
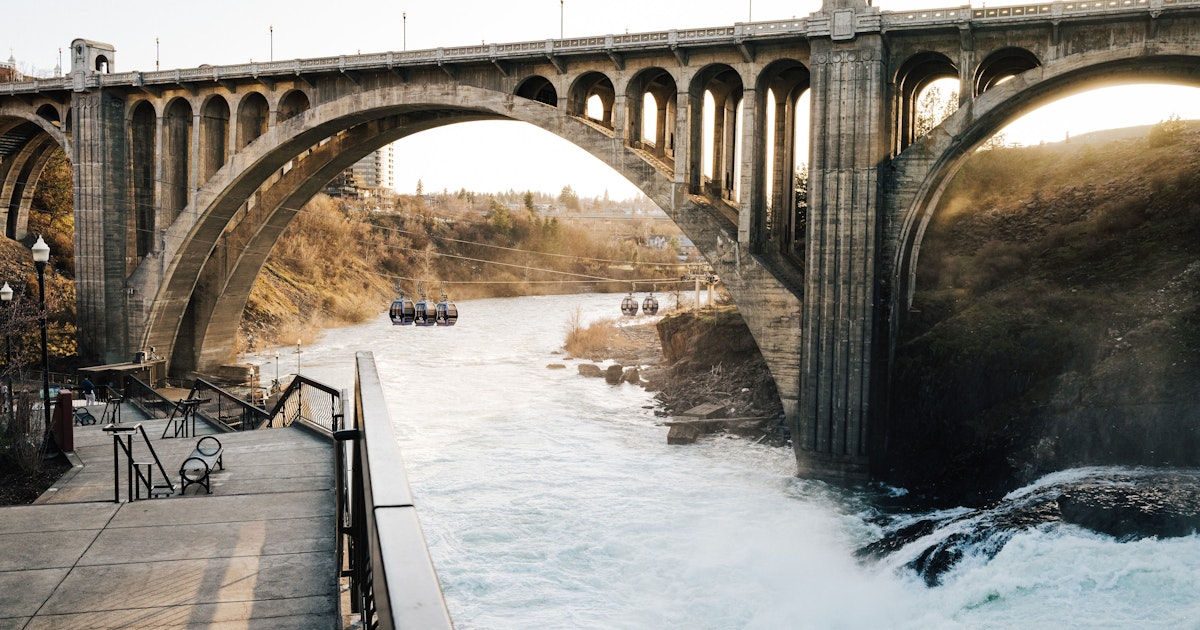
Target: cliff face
[(1057, 319), (713, 359)]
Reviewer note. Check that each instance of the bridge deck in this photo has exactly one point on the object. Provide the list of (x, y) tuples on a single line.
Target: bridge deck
[(257, 552)]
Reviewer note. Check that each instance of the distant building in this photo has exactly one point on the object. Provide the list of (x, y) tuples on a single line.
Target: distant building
[(372, 176), (8, 70)]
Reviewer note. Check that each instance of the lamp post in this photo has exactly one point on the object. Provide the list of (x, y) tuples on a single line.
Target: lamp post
[(41, 255), (297, 358), (272, 29), (560, 19), (404, 18), (6, 295)]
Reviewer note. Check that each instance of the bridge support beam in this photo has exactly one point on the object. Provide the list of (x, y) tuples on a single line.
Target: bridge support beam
[(101, 226), (840, 317)]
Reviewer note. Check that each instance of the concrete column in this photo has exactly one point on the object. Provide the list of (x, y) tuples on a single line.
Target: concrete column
[(619, 118), (197, 156), (840, 317), (691, 132), (752, 197), (162, 175), (102, 213)]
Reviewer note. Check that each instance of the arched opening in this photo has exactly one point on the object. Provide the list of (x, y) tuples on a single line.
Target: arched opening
[(716, 130), (102, 65), (292, 104), (50, 113), (651, 104), (540, 89), (177, 158), (913, 80), (592, 85), (786, 156), (214, 136), (649, 120), (142, 157), (1001, 66), (252, 118)]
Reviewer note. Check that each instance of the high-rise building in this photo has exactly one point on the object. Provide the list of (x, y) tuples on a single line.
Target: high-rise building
[(371, 176)]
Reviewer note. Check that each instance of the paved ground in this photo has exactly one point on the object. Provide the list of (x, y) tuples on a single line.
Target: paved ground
[(256, 553)]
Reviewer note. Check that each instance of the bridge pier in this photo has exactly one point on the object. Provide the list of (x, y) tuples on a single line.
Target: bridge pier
[(841, 316)]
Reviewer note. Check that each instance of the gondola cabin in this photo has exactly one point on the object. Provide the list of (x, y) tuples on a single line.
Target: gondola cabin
[(650, 305), (425, 313), (447, 312), (402, 311), (629, 306)]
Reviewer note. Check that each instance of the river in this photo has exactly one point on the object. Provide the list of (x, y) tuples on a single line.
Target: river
[(551, 500)]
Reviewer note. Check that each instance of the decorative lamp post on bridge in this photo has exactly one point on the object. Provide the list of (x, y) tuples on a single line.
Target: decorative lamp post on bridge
[(6, 296), (41, 255)]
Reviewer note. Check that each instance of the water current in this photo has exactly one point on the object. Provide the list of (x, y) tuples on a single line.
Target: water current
[(550, 500)]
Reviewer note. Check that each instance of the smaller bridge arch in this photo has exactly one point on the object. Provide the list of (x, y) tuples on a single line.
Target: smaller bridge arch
[(586, 87), (722, 84), (253, 116), (655, 87), (1001, 65), (914, 75), (539, 89)]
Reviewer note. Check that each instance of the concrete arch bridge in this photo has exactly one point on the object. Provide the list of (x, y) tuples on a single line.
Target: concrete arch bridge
[(185, 178)]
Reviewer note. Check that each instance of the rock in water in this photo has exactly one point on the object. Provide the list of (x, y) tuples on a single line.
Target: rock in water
[(590, 369), (613, 374)]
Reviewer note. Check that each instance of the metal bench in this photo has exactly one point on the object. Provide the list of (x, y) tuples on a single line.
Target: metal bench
[(84, 417), (200, 463)]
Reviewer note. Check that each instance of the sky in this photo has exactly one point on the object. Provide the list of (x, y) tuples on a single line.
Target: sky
[(501, 155)]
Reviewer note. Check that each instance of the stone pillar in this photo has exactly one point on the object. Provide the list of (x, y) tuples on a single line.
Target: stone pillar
[(102, 214), (840, 318), (752, 197)]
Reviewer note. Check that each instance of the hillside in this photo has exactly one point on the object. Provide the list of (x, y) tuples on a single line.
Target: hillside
[(338, 264), (1057, 317)]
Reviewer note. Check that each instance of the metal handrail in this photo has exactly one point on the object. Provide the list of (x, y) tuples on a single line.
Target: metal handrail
[(308, 400), (147, 399), (226, 410), (392, 580)]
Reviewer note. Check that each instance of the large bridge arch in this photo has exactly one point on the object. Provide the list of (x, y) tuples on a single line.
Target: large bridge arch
[(936, 158), (209, 262), (28, 138)]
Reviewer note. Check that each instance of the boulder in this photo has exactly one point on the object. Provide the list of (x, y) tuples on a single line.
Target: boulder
[(590, 369), (632, 375), (556, 366), (614, 374)]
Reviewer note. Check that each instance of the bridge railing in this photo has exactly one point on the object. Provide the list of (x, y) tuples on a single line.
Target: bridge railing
[(307, 400), (392, 580), (226, 409), (147, 399)]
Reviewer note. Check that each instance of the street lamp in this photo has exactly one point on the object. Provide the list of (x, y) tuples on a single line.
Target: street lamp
[(404, 17), (6, 296), (560, 19), (297, 358), (41, 255)]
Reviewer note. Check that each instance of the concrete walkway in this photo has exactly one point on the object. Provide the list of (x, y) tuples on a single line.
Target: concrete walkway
[(256, 553)]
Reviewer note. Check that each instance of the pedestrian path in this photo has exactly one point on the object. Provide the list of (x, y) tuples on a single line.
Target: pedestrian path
[(256, 553)]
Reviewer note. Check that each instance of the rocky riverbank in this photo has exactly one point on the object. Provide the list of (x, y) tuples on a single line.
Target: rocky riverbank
[(689, 359)]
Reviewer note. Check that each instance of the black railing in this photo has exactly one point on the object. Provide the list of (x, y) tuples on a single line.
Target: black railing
[(392, 580), (225, 409), (309, 401), (139, 474), (147, 399)]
